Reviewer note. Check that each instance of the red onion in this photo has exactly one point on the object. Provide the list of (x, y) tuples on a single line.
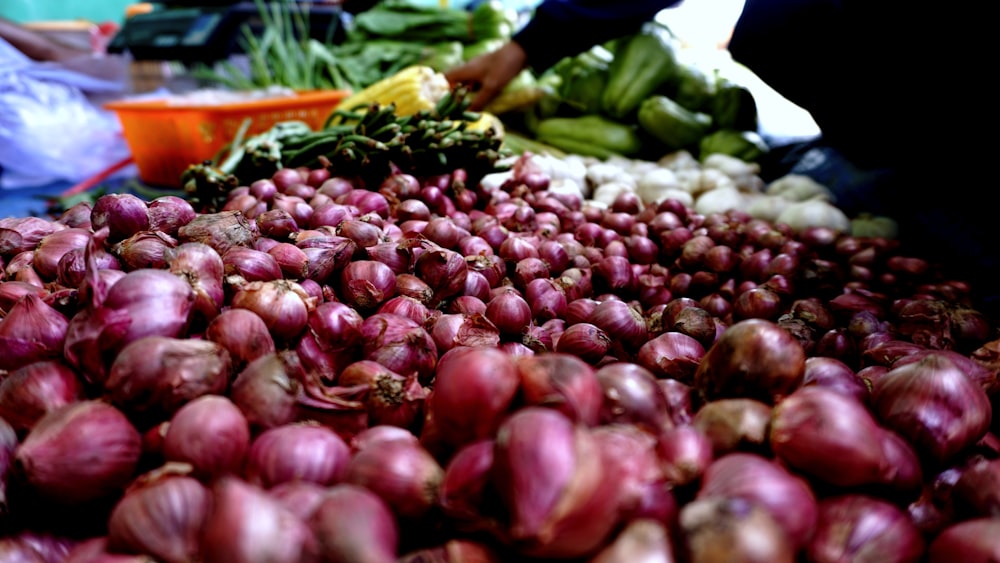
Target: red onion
[(145, 249), (251, 265), (23, 234), (443, 270), (31, 546), (297, 452), (584, 340), (786, 497), (409, 285), (614, 274), (473, 390), (245, 524), (243, 334), (278, 225), (934, 405), (641, 540), (32, 391), (123, 214), (398, 257), (78, 215), (631, 396), (733, 529), (268, 388), (31, 331), (970, 540), (399, 344), (366, 202), (685, 453), (408, 307), (301, 498), (549, 474), (754, 358), (156, 375), (830, 436), (621, 322), (833, 374), (202, 267), (734, 424), (142, 303), (391, 398), (52, 248), (976, 493), (354, 524), (221, 231), (509, 312), (672, 355), (862, 528), (211, 434), (562, 382), (635, 473), (451, 330), (454, 551), (379, 433), (465, 493), (402, 473), (160, 515), (169, 213), (12, 291), (366, 284), (80, 452), (283, 306)]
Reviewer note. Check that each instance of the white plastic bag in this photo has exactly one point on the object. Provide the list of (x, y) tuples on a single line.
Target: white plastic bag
[(50, 127)]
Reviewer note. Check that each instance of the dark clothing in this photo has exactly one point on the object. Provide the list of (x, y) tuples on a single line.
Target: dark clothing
[(901, 92)]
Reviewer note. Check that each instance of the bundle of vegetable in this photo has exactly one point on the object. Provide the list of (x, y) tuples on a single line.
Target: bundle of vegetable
[(285, 54), (646, 84), (330, 371), (407, 21), (366, 141)]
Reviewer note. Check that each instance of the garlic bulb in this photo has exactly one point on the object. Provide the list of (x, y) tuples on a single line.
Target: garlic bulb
[(719, 200), (797, 187), (679, 160), (603, 172), (814, 213), (652, 184), (766, 207)]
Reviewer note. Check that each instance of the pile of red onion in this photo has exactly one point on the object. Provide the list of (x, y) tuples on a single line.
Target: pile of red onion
[(433, 370)]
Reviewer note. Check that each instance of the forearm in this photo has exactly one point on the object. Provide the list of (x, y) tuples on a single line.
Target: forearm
[(561, 28), (34, 45)]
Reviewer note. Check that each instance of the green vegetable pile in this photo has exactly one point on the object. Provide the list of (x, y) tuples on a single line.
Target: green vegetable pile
[(634, 98), (365, 144), (379, 42)]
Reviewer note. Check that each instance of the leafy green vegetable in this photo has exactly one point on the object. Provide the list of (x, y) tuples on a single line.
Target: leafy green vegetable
[(283, 55)]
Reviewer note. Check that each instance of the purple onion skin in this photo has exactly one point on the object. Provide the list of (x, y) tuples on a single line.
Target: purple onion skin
[(934, 405), (976, 540), (855, 527), (81, 452)]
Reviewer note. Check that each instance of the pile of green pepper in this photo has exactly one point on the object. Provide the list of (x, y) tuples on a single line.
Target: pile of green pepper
[(634, 98)]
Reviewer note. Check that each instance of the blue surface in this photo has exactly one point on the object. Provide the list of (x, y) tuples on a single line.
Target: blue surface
[(24, 202)]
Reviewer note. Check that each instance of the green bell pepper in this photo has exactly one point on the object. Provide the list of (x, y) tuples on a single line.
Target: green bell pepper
[(734, 107), (745, 145), (589, 135), (672, 124), (693, 89), (641, 65), (584, 78)]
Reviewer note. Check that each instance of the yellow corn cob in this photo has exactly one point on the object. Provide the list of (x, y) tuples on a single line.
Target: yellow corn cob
[(412, 89)]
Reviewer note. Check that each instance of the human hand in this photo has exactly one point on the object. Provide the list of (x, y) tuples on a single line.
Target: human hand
[(489, 73)]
